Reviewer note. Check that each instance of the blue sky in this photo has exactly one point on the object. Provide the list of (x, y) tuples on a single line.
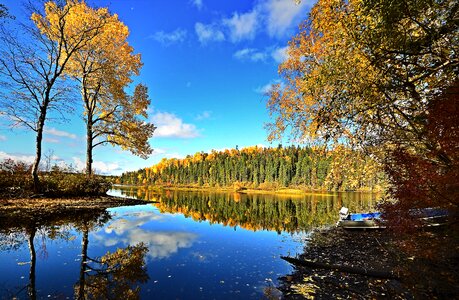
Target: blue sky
[(206, 64)]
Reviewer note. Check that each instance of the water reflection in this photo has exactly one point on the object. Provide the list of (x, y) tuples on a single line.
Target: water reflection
[(112, 276), (281, 213), (129, 231), (115, 275), (30, 232), (188, 245)]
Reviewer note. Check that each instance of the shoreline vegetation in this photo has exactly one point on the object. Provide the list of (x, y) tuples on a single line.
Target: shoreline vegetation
[(243, 190)]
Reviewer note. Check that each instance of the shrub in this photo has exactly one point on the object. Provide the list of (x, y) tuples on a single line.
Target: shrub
[(14, 176), (16, 181), (269, 186), (74, 184), (427, 177)]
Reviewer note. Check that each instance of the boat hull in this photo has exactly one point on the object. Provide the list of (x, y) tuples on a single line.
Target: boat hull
[(361, 224), (429, 217)]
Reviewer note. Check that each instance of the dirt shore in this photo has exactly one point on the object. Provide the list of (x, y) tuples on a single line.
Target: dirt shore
[(419, 275), (11, 206)]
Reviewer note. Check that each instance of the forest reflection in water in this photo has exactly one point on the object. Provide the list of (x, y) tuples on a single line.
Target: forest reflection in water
[(272, 212), (185, 245)]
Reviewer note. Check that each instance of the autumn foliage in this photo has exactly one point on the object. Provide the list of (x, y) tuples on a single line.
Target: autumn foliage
[(68, 42), (340, 168), (363, 71), (103, 67), (430, 178)]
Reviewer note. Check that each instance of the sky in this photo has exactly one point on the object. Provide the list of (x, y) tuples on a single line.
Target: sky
[(207, 64)]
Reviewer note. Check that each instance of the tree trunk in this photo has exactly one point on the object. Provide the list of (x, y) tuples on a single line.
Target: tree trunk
[(39, 138), (89, 147)]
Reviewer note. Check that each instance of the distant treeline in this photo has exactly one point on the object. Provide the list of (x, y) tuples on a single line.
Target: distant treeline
[(266, 168)]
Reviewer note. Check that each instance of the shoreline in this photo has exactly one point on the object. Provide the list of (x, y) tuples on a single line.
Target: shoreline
[(417, 275), (280, 191), (49, 205)]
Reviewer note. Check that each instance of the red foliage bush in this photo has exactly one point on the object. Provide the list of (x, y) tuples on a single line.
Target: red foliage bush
[(428, 177)]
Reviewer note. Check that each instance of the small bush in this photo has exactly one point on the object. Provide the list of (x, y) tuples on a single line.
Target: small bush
[(14, 176), (74, 184), (268, 186)]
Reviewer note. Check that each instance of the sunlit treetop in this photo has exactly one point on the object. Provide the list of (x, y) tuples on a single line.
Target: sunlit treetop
[(364, 71), (107, 45)]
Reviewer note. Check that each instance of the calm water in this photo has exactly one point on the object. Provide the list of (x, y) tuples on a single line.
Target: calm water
[(189, 245)]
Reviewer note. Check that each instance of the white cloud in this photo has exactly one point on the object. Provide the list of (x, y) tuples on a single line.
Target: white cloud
[(59, 133), (267, 87), (17, 157), (208, 33), (105, 168), (100, 167), (197, 3), (242, 26), (174, 155), (169, 125), (51, 140), (2, 138), (79, 164), (159, 151), (250, 54), (168, 38), (280, 54), (204, 115), (277, 18), (264, 89), (281, 14), (165, 153)]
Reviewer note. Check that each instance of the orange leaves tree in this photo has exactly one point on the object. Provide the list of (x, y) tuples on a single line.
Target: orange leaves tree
[(104, 68), (370, 73), (364, 71), (33, 60)]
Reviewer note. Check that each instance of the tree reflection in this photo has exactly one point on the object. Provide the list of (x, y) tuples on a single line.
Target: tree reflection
[(114, 275), (31, 291), (258, 211), (22, 229)]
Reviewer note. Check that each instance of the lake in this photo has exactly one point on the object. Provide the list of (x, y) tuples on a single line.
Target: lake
[(185, 245)]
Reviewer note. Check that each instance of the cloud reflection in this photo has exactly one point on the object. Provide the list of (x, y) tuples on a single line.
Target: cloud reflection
[(161, 244)]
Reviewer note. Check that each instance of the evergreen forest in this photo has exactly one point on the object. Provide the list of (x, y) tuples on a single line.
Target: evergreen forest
[(266, 168)]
